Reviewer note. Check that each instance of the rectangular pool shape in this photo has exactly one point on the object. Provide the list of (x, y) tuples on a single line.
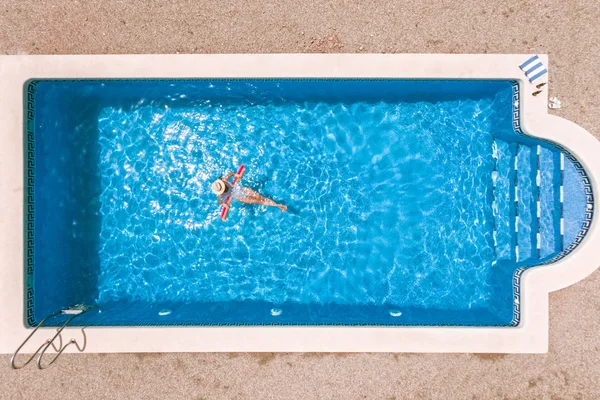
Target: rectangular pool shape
[(410, 202)]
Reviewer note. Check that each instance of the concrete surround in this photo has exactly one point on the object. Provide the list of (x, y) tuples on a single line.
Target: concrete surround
[(531, 336)]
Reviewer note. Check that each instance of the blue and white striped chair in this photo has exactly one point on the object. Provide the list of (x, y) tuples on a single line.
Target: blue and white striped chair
[(534, 68)]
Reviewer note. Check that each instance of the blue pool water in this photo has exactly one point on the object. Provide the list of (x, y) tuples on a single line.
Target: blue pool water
[(392, 205)]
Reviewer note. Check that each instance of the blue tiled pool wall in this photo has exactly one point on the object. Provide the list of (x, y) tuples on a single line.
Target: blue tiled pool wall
[(59, 189), (84, 257), (251, 313)]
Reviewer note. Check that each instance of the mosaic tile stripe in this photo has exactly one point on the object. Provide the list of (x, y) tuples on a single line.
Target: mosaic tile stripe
[(29, 157)]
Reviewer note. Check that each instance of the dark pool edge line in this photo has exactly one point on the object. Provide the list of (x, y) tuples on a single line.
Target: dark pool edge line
[(28, 199)]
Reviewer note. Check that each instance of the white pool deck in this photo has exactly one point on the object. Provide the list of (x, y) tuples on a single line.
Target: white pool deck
[(531, 336)]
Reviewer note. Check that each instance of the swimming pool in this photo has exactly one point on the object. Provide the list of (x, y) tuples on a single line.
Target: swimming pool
[(417, 205), (401, 194)]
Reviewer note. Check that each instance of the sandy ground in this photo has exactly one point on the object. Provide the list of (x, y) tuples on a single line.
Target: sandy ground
[(568, 30)]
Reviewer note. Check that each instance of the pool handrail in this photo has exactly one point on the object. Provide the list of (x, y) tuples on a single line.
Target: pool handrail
[(74, 311)]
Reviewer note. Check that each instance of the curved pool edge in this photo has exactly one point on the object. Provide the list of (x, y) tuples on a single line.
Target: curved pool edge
[(530, 336), (583, 260)]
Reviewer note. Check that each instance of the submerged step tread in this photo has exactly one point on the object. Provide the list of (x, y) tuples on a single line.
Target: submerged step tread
[(502, 201), (549, 212), (526, 203)]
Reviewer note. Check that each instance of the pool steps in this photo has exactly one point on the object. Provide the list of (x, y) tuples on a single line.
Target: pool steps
[(527, 202)]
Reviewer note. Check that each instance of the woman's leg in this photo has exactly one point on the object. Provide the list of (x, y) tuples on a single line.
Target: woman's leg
[(254, 198)]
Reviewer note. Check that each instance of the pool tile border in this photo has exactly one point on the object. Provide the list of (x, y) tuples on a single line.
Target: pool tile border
[(30, 217), (29, 208), (30, 214)]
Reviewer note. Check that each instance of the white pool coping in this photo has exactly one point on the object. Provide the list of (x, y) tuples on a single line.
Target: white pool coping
[(531, 336)]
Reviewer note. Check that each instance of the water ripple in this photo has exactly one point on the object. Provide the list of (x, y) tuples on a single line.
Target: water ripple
[(387, 203)]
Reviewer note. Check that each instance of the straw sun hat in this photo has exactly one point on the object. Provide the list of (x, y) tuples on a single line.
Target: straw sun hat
[(218, 187)]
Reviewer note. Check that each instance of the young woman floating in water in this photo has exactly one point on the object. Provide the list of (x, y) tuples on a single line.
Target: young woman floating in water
[(223, 188)]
